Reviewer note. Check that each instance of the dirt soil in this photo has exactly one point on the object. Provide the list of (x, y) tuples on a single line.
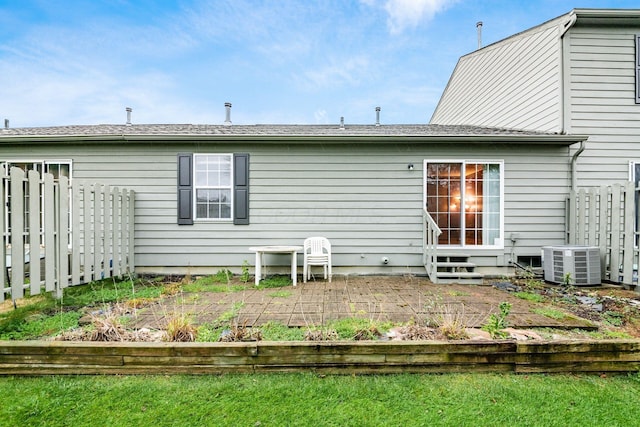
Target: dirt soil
[(612, 307)]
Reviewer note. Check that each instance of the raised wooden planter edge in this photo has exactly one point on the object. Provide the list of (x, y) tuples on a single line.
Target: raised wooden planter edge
[(62, 357)]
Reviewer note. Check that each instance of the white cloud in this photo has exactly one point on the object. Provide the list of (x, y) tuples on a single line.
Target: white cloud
[(274, 29), (339, 72), (410, 13), (321, 116)]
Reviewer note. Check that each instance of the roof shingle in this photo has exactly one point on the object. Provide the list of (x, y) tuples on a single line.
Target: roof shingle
[(263, 130)]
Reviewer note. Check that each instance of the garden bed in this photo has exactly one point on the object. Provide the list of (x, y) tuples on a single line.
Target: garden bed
[(96, 328), (54, 357)]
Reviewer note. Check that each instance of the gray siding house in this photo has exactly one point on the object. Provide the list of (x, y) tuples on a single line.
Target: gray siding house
[(204, 194), (576, 74)]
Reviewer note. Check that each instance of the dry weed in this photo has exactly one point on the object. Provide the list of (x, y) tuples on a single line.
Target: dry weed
[(180, 328), (241, 333), (107, 329), (320, 335), (368, 334), (450, 321), (172, 288), (137, 303), (415, 332)]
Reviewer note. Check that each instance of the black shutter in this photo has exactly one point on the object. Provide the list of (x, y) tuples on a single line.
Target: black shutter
[(637, 68), (185, 189), (241, 188)]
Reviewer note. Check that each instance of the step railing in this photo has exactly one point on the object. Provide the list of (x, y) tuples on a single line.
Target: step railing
[(430, 234)]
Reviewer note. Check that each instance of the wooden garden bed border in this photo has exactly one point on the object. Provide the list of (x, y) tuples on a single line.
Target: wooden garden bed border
[(62, 357)]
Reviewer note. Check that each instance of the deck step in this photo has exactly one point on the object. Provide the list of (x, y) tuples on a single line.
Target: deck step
[(453, 257), (456, 265), (460, 274), (461, 277), (456, 268)]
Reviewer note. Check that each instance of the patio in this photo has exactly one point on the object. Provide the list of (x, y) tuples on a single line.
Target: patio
[(395, 298)]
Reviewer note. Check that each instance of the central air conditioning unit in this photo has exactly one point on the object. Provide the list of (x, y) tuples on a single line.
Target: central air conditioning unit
[(578, 264)]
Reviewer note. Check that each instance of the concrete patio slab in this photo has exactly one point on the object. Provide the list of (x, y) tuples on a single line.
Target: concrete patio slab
[(396, 298)]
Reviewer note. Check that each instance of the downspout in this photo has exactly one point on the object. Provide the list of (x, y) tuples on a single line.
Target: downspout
[(570, 207), (574, 161), (573, 17)]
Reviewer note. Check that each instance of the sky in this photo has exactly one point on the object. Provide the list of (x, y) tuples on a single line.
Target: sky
[(277, 61)]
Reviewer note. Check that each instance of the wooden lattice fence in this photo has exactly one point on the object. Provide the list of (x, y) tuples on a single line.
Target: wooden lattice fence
[(607, 217), (58, 235)]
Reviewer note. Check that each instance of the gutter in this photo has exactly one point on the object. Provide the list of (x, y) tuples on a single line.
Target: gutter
[(556, 139), (573, 17)]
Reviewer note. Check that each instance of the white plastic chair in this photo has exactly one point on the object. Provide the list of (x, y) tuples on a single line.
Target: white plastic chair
[(317, 251)]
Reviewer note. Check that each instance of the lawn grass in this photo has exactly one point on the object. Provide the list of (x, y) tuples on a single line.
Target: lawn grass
[(45, 316), (309, 399)]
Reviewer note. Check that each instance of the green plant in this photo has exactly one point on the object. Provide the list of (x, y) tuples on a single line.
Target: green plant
[(223, 276), (38, 325), (280, 294), (110, 290), (209, 285), (458, 293), (549, 312), (275, 282), (244, 275), (276, 331), (567, 280), (352, 327), (617, 335), (529, 296), (230, 314), (497, 322), (613, 318)]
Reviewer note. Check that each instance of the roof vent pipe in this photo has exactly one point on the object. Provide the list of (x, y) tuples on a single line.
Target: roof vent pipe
[(479, 27), (227, 120), (342, 122), (6, 123), (377, 116), (129, 110)]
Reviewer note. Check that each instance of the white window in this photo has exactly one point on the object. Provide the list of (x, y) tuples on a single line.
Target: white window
[(57, 168), (213, 186), (634, 176), (465, 198), (634, 173)]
